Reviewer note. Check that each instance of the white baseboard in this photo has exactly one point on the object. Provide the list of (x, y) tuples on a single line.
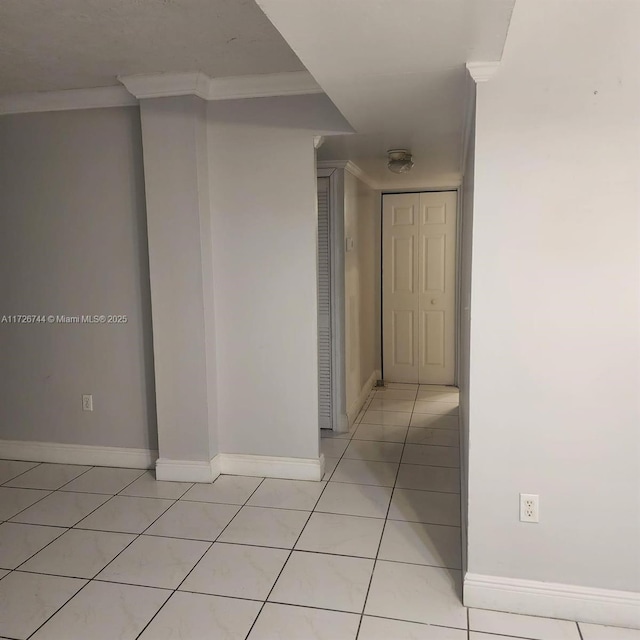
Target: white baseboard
[(272, 467), (166, 469), (553, 600), (187, 470), (77, 454), (354, 409)]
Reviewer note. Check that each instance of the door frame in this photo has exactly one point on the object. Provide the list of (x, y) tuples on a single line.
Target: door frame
[(458, 286), (336, 243)]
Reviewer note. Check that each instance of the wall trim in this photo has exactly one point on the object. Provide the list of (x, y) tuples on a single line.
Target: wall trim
[(272, 466), (356, 171), (77, 454), (187, 470), (38, 101), (482, 71), (354, 410), (552, 600), (352, 168), (162, 85)]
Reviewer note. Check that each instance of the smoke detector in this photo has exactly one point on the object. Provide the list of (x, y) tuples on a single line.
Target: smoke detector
[(400, 161)]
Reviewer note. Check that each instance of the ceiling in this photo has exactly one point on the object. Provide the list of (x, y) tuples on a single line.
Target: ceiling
[(394, 68), (68, 44), (396, 71)]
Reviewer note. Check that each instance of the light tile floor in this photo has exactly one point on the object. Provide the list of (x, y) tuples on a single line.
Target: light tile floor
[(371, 552)]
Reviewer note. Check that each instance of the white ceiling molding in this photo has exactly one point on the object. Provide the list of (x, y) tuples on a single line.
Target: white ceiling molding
[(294, 83), (352, 168), (161, 85), (482, 71), (39, 101)]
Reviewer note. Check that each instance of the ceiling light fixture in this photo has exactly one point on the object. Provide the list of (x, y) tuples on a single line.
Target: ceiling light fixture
[(400, 161)]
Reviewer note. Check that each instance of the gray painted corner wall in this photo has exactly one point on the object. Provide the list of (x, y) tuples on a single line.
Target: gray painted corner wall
[(264, 234), (73, 241), (466, 238), (555, 348), (362, 286)]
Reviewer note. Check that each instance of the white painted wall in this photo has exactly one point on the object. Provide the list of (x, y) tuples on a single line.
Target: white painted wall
[(362, 289), (73, 241), (179, 221), (555, 344), (264, 221)]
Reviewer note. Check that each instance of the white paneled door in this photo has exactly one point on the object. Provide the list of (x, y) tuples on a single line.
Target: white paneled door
[(418, 286)]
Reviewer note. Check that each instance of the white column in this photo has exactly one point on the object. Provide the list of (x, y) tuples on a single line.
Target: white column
[(174, 133)]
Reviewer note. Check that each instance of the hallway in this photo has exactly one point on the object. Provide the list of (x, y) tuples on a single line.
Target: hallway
[(373, 552)]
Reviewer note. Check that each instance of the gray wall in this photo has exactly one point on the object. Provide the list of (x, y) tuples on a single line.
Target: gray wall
[(466, 236), (362, 287), (73, 242), (555, 348)]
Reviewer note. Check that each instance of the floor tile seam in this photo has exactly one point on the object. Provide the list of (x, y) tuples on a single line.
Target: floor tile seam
[(192, 484), (142, 472), (31, 505), (210, 543), (446, 446), (137, 536), (39, 464), (66, 602), (419, 464), (203, 555), (433, 413), (375, 561), (77, 522), (67, 529), (36, 464), (423, 624), (340, 459), (76, 477), (517, 637), (275, 582), (305, 606)]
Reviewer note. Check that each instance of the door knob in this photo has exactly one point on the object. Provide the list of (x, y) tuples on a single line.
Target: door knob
[(434, 301)]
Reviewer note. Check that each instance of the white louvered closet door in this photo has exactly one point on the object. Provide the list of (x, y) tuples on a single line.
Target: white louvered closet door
[(324, 308)]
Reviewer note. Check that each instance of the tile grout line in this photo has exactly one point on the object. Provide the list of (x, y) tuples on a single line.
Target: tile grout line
[(349, 441), (275, 582), (35, 464), (175, 590), (93, 579), (386, 519), (72, 527)]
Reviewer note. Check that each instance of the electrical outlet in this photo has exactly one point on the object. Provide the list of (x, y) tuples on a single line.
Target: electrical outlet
[(87, 402), (529, 507)]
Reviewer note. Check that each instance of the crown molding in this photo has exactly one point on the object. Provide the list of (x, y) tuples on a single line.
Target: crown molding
[(482, 71), (351, 167), (66, 100), (295, 83), (162, 85)]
